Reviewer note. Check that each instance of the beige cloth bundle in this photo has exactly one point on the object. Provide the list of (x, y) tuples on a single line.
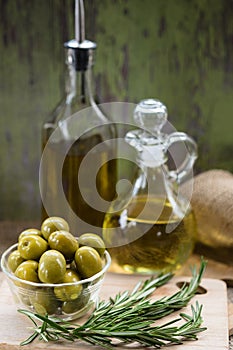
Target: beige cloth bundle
[(212, 203)]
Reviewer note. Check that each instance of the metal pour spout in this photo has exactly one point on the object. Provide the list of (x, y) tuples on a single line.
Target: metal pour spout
[(79, 21), (80, 50)]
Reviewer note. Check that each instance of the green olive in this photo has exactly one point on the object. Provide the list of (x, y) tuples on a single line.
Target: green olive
[(92, 240), (44, 301), (14, 260), (29, 231), (64, 242), (66, 293), (31, 247), (52, 267), (69, 307), (88, 261), (27, 270), (54, 223)]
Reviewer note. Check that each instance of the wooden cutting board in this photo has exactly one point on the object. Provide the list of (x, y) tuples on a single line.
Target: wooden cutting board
[(14, 326)]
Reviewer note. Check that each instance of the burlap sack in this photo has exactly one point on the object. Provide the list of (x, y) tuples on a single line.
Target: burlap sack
[(212, 203)]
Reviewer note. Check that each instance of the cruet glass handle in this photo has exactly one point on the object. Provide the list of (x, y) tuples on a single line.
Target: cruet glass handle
[(180, 173)]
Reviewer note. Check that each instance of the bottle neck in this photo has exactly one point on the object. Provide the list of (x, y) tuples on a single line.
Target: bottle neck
[(153, 170), (79, 86), (152, 156)]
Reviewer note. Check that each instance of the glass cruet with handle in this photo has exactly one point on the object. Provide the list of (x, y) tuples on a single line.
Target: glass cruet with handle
[(151, 228)]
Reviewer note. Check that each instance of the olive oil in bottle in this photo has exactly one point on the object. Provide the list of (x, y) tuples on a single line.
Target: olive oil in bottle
[(154, 246), (79, 185)]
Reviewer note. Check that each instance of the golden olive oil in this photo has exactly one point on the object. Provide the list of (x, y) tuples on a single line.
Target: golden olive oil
[(81, 189), (154, 246)]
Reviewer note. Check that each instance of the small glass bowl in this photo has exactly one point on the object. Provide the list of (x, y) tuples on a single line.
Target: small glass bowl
[(40, 297)]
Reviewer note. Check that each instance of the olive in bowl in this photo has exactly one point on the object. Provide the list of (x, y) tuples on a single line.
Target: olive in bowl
[(70, 298)]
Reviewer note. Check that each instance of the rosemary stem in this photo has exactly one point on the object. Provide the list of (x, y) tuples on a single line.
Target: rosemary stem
[(130, 318)]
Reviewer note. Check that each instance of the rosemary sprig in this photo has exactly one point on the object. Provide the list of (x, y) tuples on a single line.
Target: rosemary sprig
[(129, 318)]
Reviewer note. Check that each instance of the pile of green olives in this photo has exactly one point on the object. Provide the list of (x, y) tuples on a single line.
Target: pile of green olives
[(52, 255)]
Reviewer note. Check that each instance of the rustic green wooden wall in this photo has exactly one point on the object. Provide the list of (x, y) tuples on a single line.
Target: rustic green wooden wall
[(178, 51)]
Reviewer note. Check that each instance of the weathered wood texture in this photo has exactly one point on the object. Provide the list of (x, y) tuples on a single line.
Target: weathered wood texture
[(178, 51)]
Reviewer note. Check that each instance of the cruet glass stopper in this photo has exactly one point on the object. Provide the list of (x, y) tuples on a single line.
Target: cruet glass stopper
[(151, 114)]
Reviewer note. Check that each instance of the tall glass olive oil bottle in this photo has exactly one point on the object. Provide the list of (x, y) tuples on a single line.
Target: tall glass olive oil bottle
[(77, 131)]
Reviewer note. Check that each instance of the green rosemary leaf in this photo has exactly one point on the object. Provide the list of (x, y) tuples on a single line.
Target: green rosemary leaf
[(43, 336), (49, 321), (29, 339), (52, 336)]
